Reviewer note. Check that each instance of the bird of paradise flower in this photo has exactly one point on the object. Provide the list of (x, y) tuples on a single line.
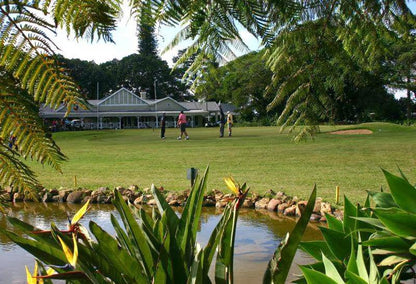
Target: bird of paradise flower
[(239, 191)]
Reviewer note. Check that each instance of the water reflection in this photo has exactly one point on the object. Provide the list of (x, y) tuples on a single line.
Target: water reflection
[(258, 234)]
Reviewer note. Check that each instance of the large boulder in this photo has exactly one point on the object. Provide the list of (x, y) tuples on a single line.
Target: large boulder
[(75, 197), (282, 207), (326, 208), (262, 203), (318, 205), (63, 194), (209, 202), (290, 211), (273, 203), (130, 194)]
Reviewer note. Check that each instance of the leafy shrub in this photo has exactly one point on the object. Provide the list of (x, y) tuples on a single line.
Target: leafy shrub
[(374, 244)]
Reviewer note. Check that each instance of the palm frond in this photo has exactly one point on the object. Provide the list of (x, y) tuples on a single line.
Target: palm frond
[(15, 173), (19, 117), (87, 18)]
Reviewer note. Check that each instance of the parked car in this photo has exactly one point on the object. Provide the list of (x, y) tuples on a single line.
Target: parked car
[(212, 124), (77, 124), (143, 125)]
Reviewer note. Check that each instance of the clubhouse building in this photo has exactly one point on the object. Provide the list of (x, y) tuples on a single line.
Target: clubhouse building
[(123, 109)]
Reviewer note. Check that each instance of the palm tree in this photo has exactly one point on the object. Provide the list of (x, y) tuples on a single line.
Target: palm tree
[(30, 76)]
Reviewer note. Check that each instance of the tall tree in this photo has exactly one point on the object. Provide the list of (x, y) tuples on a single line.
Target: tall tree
[(91, 77), (137, 73), (146, 31), (402, 67), (241, 82), (185, 84)]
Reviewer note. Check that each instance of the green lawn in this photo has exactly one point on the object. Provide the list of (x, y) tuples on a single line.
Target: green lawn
[(259, 156)]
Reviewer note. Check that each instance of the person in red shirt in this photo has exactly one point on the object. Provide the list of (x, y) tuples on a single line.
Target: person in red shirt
[(182, 125)]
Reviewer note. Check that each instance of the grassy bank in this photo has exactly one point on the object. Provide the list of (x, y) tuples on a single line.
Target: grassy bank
[(259, 155)]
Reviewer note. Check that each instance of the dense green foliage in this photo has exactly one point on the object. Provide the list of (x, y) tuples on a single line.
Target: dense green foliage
[(241, 82), (146, 33), (359, 96), (373, 244), (401, 70), (135, 72), (316, 50)]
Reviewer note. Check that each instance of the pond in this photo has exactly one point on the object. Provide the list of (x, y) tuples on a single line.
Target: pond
[(258, 235)]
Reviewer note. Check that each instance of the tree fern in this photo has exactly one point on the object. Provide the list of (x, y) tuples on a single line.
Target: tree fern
[(30, 75), (19, 117)]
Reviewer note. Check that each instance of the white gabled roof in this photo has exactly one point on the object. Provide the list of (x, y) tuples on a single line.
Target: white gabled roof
[(123, 97), (170, 99)]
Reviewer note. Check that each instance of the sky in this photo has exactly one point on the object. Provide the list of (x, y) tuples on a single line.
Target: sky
[(126, 42)]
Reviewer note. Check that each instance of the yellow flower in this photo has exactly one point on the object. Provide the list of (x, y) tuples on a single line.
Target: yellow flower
[(232, 185), (50, 271), (80, 213), (32, 279), (71, 257)]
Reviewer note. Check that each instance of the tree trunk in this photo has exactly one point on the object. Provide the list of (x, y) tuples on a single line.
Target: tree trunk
[(408, 102)]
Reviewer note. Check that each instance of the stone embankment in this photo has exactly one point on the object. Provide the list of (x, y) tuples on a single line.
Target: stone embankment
[(278, 202)]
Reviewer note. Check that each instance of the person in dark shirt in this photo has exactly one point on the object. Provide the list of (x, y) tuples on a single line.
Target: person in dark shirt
[(222, 121), (163, 126)]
